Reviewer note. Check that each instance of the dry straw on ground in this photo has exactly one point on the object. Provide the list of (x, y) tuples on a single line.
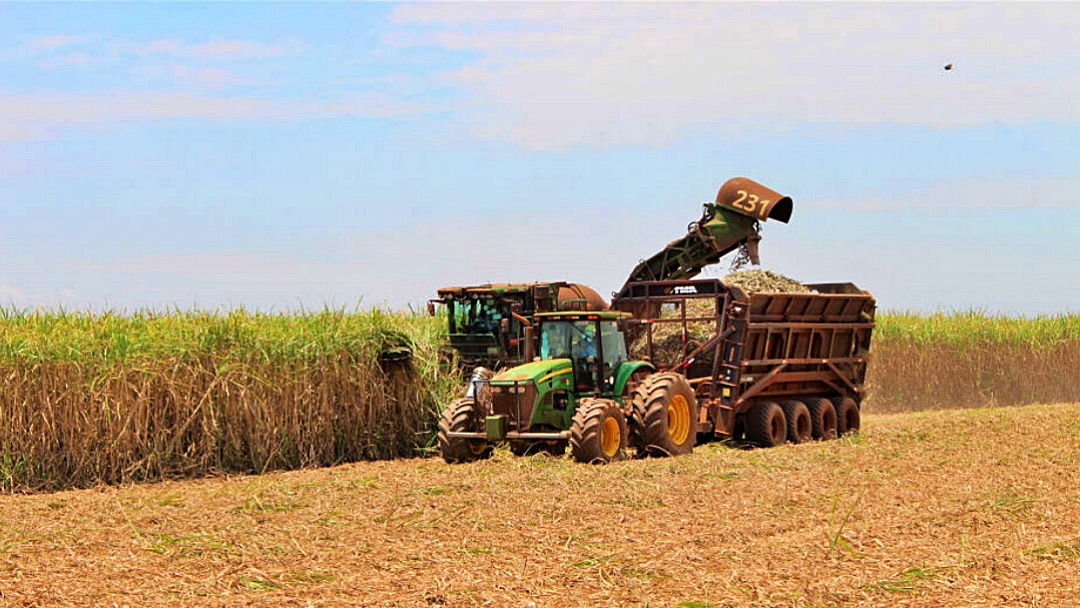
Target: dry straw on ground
[(935, 509)]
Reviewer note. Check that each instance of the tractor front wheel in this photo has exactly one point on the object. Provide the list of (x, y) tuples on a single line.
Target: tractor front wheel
[(664, 415), (598, 433), (460, 417)]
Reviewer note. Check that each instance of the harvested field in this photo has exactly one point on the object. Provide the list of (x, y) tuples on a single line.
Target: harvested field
[(952, 508)]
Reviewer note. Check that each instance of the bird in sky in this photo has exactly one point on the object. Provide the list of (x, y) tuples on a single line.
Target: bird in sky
[(948, 66)]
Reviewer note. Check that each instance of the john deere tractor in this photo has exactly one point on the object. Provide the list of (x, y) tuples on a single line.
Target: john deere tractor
[(581, 391)]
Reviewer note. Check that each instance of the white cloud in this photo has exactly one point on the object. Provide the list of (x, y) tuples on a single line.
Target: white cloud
[(218, 50), (554, 76), (76, 60), (970, 195), (33, 116), (56, 41)]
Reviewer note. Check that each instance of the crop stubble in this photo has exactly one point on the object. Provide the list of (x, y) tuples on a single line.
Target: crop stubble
[(972, 507)]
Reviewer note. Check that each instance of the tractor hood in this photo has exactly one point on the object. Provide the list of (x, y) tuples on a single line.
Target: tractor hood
[(537, 371)]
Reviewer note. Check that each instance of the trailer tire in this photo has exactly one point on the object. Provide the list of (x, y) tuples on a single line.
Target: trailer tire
[(459, 417), (822, 418), (598, 433), (664, 416), (766, 425), (847, 415), (799, 426)]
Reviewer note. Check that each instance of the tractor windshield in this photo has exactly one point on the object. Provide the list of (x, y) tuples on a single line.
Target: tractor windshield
[(568, 340)]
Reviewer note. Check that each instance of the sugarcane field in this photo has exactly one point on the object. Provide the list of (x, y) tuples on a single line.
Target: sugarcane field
[(539, 305)]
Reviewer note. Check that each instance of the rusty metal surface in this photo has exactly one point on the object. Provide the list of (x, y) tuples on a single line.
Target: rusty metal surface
[(517, 405), (574, 296), (765, 346), (747, 196)]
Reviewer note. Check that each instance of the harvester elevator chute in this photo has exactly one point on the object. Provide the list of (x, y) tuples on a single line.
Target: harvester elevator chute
[(729, 223)]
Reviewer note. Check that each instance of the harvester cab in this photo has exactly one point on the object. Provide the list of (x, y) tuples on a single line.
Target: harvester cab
[(576, 392), (491, 325)]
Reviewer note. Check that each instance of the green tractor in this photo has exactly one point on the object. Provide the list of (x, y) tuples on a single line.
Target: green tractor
[(581, 391)]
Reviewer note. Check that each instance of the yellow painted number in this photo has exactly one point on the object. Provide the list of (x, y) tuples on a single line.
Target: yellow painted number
[(749, 202)]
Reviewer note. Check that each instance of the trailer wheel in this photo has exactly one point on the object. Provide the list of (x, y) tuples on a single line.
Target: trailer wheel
[(598, 433), (766, 424), (799, 427), (847, 415), (665, 415), (460, 417), (822, 418)]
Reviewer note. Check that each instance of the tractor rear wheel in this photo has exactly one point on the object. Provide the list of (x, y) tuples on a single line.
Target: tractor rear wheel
[(460, 417), (798, 421), (847, 415), (598, 433), (664, 415), (822, 418), (766, 424)]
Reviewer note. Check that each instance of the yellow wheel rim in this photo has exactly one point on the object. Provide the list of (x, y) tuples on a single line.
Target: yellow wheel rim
[(678, 419), (610, 436)]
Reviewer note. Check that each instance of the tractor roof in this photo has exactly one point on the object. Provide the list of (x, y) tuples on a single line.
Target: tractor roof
[(488, 289)]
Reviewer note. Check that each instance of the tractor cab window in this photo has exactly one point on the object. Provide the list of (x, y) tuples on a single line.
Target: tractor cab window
[(614, 347), (555, 340), (577, 341)]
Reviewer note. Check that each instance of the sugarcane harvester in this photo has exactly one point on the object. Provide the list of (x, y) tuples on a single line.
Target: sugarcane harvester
[(585, 389), (489, 325)]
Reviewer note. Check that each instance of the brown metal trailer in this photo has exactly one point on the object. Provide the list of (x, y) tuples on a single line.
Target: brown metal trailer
[(770, 367)]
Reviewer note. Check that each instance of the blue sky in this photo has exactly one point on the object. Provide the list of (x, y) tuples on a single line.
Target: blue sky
[(274, 156)]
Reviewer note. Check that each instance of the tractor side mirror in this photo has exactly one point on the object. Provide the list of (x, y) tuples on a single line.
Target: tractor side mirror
[(431, 308)]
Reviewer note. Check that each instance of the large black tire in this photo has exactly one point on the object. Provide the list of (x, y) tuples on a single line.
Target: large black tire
[(598, 433), (799, 426), (460, 417), (822, 419), (766, 425), (664, 416), (847, 415)]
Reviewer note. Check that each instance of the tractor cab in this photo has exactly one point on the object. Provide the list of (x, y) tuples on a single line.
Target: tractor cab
[(594, 343)]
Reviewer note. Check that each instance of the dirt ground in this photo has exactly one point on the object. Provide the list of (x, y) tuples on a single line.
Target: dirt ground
[(953, 508)]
